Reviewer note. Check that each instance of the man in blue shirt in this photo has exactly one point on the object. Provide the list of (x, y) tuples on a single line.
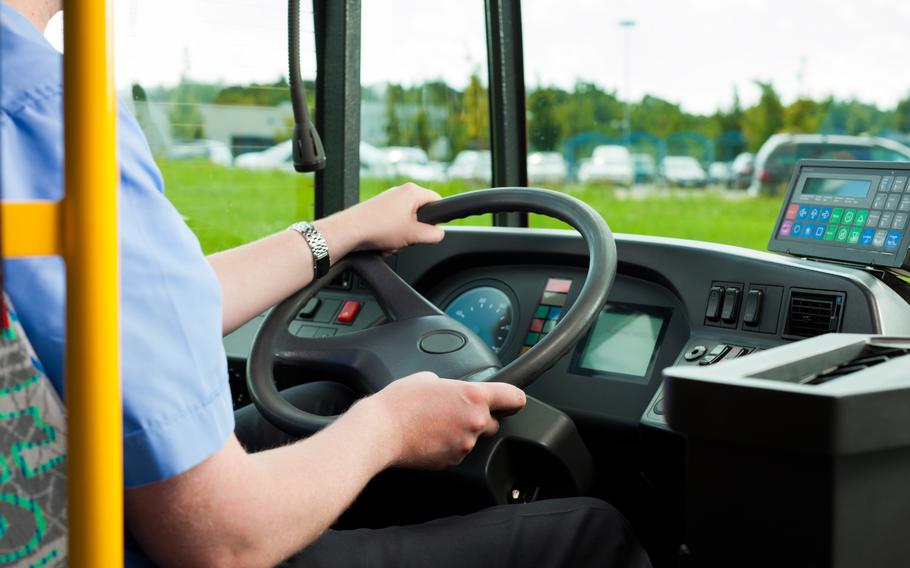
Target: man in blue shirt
[(194, 496)]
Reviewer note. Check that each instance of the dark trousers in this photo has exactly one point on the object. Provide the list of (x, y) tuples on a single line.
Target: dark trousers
[(560, 532)]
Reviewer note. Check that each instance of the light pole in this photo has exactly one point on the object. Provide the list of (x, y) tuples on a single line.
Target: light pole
[(627, 25)]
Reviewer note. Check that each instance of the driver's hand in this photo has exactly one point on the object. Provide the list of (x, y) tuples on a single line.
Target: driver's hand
[(386, 222), (434, 423)]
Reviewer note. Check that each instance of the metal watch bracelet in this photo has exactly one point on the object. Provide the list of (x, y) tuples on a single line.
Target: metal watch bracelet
[(318, 246)]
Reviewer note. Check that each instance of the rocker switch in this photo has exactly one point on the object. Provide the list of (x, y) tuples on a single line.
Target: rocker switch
[(731, 305), (752, 307), (715, 300)]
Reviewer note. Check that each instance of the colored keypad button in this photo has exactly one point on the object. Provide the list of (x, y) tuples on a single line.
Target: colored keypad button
[(836, 215), (549, 325), (853, 238), (791, 211), (873, 218), (819, 232), (893, 239), (542, 312), (554, 313), (879, 239), (830, 232), (813, 213), (849, 215), (808, 230), (785, 228), (560, 285), (537, 325), (802, 213), (861, 215), (532, 338), (866, 238), (842, 233), (553, 298), (825, 215), (524, 349), (796, 230)]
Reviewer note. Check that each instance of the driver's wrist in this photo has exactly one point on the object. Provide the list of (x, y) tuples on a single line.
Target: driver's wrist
[(340, 239), (383, 424)]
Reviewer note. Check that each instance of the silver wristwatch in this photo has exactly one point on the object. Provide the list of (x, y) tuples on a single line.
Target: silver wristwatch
[(318, 247)]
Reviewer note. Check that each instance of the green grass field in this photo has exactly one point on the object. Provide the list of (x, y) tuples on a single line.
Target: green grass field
[(228, 206)]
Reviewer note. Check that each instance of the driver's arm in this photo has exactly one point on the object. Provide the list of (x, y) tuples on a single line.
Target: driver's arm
[(256, 276), (240, 509)]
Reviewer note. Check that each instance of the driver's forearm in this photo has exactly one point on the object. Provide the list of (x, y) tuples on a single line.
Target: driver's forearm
[(258, 275), (239, 509)]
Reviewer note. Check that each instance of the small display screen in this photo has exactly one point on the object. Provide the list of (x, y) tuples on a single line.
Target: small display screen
[(837, 187), (623, 342)]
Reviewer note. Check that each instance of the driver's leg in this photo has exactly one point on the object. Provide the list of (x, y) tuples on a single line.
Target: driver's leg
[(555, 533), (325, 398)]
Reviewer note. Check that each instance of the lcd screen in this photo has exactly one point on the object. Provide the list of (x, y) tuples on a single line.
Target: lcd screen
[(624, 341), (837, 187)]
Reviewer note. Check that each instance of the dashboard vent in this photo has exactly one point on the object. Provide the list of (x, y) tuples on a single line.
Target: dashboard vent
[(813, 312)]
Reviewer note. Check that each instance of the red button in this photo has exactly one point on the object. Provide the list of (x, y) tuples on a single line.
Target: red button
[(559, 285), (349, 311)]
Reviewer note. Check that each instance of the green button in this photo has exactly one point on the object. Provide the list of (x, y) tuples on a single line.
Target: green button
[(830, 232), (836, 214), (849, 214), (541, 312), (532, 338), (861, 215), (854, 236), (842, 233), (548, 327)]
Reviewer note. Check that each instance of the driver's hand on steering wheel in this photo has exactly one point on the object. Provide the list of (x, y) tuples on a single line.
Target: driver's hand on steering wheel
[(386, 222), (434, 423)]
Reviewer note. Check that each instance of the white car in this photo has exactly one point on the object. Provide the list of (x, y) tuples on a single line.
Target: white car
[(683, 171), (373, 162), (414, 164), (719, 172), (547, 167), (212, 150), (608, 163), (475, 165)]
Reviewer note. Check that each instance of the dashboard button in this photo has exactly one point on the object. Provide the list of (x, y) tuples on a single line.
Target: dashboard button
[(324, 332), (731, 305), (659, 407), (439, 342), (695, 353), (715, 300), (752, 307), (309, 309), (892, 201), (348, 312)]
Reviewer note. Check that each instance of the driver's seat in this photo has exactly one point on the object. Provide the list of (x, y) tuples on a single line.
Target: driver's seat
[(33, 524)]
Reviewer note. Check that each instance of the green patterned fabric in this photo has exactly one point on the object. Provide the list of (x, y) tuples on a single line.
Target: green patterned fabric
[(32, 454)]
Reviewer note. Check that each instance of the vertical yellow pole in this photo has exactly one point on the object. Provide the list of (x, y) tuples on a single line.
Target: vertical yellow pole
[(95, 473)]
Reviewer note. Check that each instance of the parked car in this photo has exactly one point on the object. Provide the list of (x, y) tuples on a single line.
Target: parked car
[(719, 173), (212, 150), (645, 168), (373, 161), (741, 171), (414, 164), (547, 168), (777, 157), (608, 163), (475, 165), (683, 171)]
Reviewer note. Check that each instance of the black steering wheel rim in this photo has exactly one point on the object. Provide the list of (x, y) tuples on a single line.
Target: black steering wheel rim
[(420, 316)]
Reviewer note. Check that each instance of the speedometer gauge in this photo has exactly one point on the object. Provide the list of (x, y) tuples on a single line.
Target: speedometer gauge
[(487, 311)]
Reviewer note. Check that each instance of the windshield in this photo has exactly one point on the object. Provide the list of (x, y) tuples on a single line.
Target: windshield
[(614, 90)]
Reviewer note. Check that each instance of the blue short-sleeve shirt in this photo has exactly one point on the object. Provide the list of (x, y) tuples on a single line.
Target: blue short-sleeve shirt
[(176, 399)]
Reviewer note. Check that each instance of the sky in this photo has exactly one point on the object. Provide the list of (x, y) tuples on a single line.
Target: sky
[(692, 52)]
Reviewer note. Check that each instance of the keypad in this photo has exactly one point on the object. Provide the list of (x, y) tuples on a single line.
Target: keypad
[(548, 311)]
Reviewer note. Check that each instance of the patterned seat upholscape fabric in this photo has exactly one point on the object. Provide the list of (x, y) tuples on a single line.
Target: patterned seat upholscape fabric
[(32, 454)]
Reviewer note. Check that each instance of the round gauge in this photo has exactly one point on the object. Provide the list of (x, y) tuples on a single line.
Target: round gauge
[(487, 311)]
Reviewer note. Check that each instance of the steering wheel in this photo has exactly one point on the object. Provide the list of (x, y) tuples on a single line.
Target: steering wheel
[(418, 336)]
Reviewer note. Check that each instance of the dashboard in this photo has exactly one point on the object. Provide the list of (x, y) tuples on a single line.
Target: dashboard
[(673, 302)]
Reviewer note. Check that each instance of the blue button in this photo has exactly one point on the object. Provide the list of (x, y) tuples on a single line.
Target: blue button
[(819, 232), (813, 213), (825, 214), (797, 230), (802, 213), (554, 313), (866, 238), (893, 239), (808, 229)]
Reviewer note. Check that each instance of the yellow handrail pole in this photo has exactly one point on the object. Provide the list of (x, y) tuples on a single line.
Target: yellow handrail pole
[(90, 241)]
